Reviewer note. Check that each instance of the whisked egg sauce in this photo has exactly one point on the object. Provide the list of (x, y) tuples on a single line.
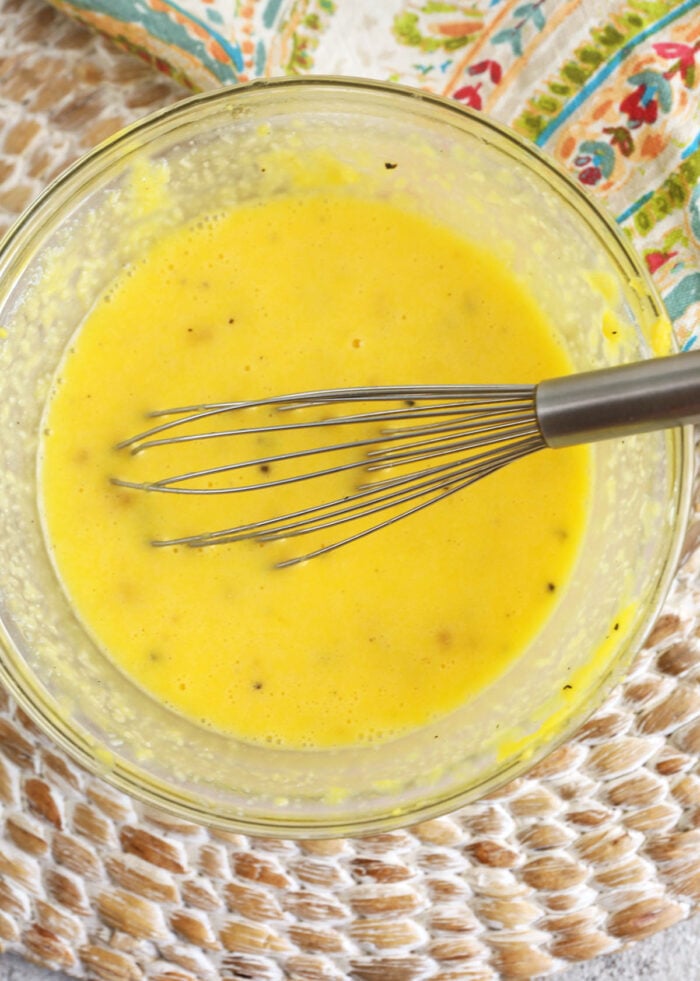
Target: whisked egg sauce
[(303, 291)]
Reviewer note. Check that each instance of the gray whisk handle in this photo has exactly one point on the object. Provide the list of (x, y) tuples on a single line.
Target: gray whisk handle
[(620, 401)]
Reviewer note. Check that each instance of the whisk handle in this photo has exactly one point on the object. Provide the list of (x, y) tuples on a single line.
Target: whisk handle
[(620, 401)]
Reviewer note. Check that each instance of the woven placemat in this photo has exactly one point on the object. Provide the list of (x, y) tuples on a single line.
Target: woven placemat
[(596, 847)]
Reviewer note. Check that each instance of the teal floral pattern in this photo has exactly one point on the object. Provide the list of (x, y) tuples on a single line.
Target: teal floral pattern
[(609, 89)]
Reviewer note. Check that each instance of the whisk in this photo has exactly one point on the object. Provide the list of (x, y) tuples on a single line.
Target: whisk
[(432, 440)]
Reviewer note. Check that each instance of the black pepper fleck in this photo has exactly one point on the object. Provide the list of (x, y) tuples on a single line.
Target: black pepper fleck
[(390, 166)]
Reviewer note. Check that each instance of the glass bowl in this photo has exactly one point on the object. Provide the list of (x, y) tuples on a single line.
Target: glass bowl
[(457, 167)]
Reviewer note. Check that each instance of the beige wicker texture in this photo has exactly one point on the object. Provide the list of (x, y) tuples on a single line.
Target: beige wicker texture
[(597, 847), (62, 90)]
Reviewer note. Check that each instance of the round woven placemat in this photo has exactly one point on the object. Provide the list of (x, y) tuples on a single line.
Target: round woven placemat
[(598, 846)]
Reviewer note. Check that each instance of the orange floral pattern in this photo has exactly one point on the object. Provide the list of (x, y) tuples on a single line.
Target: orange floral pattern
[(610, 90)]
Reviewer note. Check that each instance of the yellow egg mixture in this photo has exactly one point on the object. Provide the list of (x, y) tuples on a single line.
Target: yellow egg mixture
[(301, 292)]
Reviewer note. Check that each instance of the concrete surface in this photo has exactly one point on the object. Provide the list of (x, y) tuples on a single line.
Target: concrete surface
[(673, 955)]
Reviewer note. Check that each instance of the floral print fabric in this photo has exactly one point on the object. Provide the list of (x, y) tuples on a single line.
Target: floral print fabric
[(608, 87)]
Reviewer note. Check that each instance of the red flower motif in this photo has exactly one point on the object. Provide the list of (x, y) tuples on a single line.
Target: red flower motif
[(492, 67), (590, 175), (469, 95), (620, 137), (639, 107), (655, 260), (684, 56)]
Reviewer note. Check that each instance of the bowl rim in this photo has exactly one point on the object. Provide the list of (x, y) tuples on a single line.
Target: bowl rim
[(85, 749)]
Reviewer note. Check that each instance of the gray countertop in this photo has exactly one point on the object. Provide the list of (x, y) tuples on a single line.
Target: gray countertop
[(673, 955)]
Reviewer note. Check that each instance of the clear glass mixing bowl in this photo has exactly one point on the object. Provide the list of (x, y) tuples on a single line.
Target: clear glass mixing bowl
[(459, 168)]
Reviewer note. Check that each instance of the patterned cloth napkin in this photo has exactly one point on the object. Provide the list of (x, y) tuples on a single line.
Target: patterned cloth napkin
[(608, 87)]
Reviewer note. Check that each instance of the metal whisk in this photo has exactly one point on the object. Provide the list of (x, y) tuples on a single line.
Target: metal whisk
[(435, 440)]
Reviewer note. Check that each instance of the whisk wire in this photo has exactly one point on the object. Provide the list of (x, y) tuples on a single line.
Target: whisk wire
[(515, 423), (143, 441), (480, 430), (442, 491), (434, 483), (496, 433)]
